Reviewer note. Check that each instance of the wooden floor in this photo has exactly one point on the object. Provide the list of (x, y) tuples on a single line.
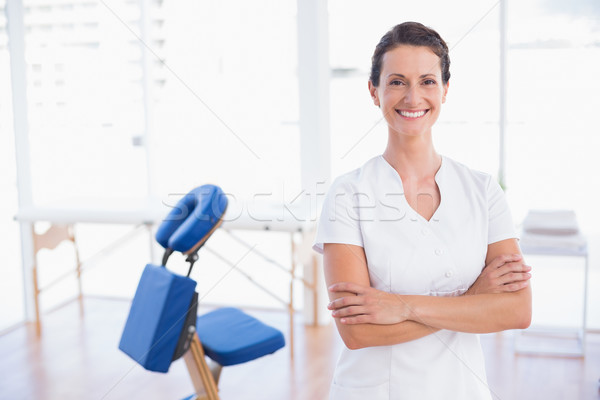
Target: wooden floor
[(78, 359)]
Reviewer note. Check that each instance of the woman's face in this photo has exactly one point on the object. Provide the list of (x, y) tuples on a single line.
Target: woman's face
[(410, 92)]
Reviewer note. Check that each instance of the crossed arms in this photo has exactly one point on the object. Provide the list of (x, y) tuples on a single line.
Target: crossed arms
[(499, 299)]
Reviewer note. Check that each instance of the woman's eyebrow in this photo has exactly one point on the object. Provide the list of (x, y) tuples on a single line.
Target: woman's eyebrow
[(402, 76)]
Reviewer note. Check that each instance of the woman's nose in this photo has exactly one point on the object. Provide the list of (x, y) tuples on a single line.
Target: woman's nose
[(412, 96)]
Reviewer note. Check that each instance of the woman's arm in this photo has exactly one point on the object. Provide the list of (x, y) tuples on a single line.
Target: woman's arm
[(347, 263), (478, 313)]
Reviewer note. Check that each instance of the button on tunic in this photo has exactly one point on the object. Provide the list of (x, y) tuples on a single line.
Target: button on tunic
[(407, 254)]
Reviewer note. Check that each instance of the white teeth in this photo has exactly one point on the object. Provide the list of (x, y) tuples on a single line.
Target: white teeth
[(409, 114)]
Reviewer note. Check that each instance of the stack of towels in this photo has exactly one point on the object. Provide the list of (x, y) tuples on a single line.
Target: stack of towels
[(552, 231)]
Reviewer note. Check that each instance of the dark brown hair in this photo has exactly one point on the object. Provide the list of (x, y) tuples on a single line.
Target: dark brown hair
[(412, 34)]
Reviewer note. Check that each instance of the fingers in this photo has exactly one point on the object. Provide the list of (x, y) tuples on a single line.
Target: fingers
[(516, 286), (346, 301), (349, 311), (349, 287), (503, 259), (358, 319), (511, 267), (513, 277)]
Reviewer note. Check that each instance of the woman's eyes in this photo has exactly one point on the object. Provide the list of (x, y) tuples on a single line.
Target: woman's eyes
[(426, 82)]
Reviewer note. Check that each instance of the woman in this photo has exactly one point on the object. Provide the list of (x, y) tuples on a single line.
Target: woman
[(420, 252)]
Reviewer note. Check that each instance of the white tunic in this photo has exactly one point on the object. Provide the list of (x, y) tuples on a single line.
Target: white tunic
[(406, 254)]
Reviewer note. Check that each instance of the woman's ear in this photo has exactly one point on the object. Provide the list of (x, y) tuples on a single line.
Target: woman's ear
[(446, 86), (374, 94)]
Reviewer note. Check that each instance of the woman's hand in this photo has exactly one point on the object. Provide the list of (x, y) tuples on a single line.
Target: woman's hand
[(505, 273), (367, 306)]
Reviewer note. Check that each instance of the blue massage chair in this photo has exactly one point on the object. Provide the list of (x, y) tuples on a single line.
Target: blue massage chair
[(163, 325)]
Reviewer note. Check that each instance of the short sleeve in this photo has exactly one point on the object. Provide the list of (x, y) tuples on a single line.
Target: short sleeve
[(339, 221), (500, 224)]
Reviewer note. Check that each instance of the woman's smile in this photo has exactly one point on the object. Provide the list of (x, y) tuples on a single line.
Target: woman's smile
[(412, 114)]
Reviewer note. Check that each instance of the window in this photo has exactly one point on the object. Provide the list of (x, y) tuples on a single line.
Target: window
[(11, 284), (553, 103), (552, 137), (228, 114), (230, 93), (223, 87), (85, 93)]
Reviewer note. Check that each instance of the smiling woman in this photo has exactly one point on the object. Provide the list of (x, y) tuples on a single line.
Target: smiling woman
[(410, 101), (409, 290)]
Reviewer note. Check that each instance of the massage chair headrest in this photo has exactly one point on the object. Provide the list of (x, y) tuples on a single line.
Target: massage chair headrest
[(193, 219)]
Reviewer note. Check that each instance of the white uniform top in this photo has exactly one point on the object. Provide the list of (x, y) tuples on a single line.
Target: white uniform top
[(406, 254)]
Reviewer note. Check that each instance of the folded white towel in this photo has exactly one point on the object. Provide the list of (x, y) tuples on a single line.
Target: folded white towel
[(551, 222), (533, 240)]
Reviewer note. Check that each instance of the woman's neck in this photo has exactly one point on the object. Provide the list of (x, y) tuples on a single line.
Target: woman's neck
[(413, 157)]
